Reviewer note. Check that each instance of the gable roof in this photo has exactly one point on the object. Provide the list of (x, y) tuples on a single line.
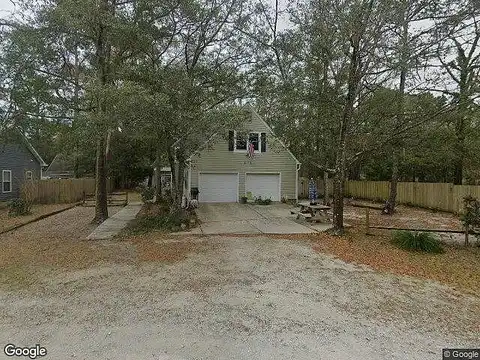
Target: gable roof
[(250, 107), (60, 163), (254, 113), (29, 146), (33, 151)]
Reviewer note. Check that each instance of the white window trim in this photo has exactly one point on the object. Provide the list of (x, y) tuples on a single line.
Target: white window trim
[(3, 180), (259, 151), (31, 175)]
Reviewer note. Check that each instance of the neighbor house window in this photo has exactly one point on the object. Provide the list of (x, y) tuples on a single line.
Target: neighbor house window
[(242, 141), (7, 181), (28, 175)]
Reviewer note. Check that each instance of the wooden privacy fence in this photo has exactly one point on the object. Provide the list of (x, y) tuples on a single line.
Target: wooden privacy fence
[(58, 191), (303, 187), (439, 196)]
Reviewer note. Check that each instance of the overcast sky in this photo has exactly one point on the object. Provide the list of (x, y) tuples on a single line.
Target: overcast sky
[(5, 5)]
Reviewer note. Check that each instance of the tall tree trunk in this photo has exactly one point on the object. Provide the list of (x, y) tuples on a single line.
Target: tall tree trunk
[(176, 164), (459, 151), (101, 206), (338, 191), (339, 178), (102, 56), (400, 118), (157, 176), (325, 187), (392, 198), (76, 93)]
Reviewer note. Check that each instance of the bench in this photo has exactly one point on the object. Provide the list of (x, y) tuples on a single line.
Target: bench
[(313, 213), (301, 214)]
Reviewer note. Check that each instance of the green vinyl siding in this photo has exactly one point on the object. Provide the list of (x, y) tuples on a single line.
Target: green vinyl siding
[(216, 158)]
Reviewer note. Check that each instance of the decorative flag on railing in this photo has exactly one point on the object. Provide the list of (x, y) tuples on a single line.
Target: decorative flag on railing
[(250, 150)]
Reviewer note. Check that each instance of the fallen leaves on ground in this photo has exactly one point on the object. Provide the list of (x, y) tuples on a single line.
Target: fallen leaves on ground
[(457, 267), (405, 217)]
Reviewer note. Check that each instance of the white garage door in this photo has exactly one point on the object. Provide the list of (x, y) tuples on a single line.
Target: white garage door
[(264, 185), (218, 187)]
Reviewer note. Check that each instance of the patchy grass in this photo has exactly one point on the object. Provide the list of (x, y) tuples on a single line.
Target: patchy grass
[(157, 217), (6, 221), (458, 267)]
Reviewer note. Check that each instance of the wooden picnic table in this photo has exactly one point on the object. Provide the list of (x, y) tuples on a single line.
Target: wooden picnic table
[(316, 212)]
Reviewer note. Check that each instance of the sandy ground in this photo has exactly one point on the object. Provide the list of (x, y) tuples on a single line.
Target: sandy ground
[(7, 222), (238, 298), (412, 218)]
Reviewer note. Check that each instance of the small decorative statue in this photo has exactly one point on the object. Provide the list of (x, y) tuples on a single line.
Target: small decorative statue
[(312, 191)]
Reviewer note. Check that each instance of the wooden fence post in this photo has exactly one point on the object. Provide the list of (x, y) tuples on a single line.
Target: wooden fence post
[(466, 235)]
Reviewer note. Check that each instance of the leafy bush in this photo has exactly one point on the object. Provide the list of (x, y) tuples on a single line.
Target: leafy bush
[(243, 200), (19, 207), (147, 193), (417, 241), (260, 201)]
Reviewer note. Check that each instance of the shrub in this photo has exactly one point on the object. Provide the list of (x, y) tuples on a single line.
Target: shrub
[(147, 194), (161, 220), (417, 241), (243, 200), (19, 207), (261, 201)]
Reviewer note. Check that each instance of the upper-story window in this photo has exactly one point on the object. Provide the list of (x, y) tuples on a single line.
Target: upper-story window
[(242, 141)]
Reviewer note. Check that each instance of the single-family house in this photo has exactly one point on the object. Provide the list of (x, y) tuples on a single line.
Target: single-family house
[(247, 161), (19, 162)]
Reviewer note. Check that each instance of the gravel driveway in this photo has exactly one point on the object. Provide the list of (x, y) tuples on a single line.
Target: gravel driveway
[(240, 298)]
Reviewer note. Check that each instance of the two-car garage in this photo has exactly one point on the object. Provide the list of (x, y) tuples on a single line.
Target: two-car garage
[(225, 187)]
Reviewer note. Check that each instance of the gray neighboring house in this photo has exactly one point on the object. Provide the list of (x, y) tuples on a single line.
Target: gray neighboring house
[(19, 162), (222, 171)]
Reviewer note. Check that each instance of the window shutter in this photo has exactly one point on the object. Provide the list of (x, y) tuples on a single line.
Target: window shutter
[(230, 140), (263, 139)]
